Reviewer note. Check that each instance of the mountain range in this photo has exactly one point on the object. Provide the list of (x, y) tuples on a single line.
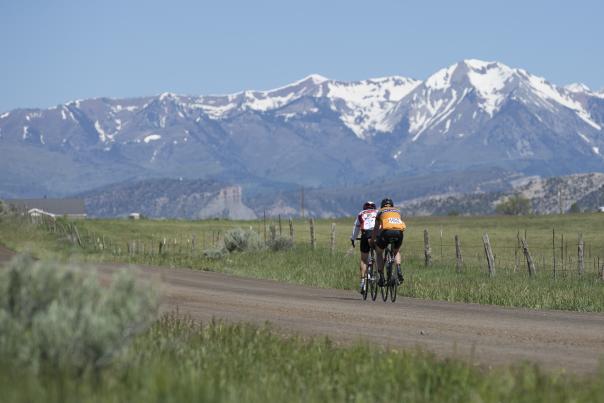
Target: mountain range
[(473, 116)]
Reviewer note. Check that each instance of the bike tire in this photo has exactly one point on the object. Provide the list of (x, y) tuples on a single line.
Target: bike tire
[(393, 289), (387, 265), (373, 285), (366, 288)]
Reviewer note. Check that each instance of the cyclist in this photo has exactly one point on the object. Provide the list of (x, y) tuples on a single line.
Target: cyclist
[(364, 224), (389, 226)]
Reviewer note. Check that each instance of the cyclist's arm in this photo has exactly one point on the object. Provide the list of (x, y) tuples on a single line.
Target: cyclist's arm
[(356, 229)]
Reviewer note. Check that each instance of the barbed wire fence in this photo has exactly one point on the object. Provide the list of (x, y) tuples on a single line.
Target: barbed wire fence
[(561, 256)]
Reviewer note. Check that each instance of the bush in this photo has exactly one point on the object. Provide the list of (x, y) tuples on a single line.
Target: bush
[(215, 253), (55, 317), (240, 240), (5, 209), (514, 205), (280, 243)]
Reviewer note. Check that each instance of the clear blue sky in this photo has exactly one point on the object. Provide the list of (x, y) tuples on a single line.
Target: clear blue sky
[(55, 51)]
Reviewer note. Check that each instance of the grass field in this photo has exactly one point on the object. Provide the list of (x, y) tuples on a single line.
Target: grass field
[(179, 360), (138, 242)]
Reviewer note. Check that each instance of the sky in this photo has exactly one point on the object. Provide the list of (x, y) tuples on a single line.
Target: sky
[(52, 52)]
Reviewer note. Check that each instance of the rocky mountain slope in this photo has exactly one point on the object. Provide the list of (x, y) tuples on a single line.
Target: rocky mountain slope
[(547, 196)]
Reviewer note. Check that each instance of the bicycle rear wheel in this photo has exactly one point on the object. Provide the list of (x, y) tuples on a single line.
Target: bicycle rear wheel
[(388, 267), (392, 280), (393, 288), (373, 282), (366, 286)]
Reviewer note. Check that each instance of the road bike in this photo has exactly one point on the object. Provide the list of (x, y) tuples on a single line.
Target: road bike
[(370, 286), (370, 283)]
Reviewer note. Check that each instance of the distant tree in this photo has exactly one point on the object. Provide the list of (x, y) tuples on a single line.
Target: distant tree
[(514, 205), (5, 209), (574, 208), (452, 213)]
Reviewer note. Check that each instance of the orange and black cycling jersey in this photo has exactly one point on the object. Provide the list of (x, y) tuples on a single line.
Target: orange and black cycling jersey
[(390, 219)]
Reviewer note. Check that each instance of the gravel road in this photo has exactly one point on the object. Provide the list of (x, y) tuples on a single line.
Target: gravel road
[(484, 334)]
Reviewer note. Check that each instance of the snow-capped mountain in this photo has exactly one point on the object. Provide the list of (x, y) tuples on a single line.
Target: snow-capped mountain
[(315, 131)]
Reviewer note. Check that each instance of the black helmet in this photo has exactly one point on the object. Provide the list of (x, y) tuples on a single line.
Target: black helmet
[(369, 205), (387, 203)]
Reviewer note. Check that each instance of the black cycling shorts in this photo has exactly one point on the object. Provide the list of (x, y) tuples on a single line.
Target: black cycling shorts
[(365, 237), (390, 235)]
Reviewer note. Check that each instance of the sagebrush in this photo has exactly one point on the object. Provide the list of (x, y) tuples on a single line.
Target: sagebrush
[(59, 317)]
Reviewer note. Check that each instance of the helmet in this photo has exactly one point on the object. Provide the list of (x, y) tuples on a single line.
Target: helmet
[(387, 202), (369, 205)]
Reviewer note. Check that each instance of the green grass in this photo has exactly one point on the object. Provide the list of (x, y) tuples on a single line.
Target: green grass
[(180, 361), (510, 287)]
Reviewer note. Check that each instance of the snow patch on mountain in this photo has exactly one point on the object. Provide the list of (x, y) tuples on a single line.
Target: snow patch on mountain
[(151, 137), (364, 105), (104, 137), (5, 115), (584, 137), (489, 79), (577, 87), (549, 93)]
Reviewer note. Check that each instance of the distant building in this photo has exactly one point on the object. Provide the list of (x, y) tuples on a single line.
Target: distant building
[(134, 216), (71, 208), (601, 209)]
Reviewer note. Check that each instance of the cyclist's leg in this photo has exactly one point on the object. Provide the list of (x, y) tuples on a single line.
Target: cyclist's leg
[(397, 257), (363, 270), (364, 247)]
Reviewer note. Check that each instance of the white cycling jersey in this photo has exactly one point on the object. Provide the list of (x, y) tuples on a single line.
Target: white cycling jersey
[(365, 222)]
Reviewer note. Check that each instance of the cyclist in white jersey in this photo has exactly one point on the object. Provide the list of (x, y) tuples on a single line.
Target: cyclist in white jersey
[(364, 224)]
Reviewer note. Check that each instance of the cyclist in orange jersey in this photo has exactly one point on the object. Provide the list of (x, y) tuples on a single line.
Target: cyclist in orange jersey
[(389, 226)]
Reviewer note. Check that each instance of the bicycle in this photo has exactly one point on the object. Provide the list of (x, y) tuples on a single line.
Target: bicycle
[(392, 283), (370, 286)]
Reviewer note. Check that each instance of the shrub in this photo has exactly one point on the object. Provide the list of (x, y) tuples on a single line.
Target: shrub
[(55, 317), (4, 209), (240, 240), (514, 205), (280, 243), (215, 253)]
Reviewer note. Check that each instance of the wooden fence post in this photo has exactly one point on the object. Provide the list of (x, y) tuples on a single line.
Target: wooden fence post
[(562, 252), (264, 221), (529, 260), (458, 257), (313, 241), (273, 232), (280, 233), (427, 249), (333, 237), (516, 263), (441, 244), (77, 236), (291, 229), (489, 254), (580, 253), (554, 250)]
